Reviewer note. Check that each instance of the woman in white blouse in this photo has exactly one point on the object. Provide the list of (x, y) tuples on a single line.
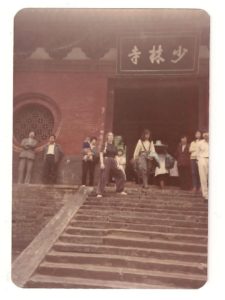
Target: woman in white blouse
[(141, 157)]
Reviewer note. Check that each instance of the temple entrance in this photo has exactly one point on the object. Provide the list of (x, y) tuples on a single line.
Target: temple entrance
[(168, 111)]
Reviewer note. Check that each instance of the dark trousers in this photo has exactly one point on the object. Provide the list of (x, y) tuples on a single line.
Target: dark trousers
[(143, 169), (50, 169), (111, 165), (195, 174), (25, 169), (162, 177), (184, 175), (88, 168)]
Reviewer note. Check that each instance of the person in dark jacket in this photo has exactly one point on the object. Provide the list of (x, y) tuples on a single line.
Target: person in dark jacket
[(89, 161), (52, 156), (194, 162), (108, 152), (183, 162)]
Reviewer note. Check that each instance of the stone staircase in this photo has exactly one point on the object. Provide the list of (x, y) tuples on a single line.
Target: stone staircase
[(149, 239), (33, 206)]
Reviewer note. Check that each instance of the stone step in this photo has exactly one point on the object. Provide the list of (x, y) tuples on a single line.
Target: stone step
[(139, 220), (118, 212), (179, 279), (141, 208), (132, 242), (139, 234), (162, 254), (142, 227), (162, 198), (44, 281), (126, 262), (147, 239), (149, 205), (154, 192), (150, 199)]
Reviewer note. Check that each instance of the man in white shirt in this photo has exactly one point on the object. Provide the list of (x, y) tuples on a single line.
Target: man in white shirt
[(52, 155), (203, 163)]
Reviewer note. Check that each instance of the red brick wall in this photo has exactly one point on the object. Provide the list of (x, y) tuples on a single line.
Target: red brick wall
[(79, 96)]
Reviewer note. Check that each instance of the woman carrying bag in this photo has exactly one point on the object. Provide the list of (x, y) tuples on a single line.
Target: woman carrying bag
[(145, 157), (166, 162)]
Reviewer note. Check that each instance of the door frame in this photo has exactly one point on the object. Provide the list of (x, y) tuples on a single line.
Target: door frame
[(133, 82)]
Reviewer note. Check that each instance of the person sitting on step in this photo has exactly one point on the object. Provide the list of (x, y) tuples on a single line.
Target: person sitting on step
[(108, 163)]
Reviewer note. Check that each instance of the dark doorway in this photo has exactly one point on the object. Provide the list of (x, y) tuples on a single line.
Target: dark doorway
[(167, 111)]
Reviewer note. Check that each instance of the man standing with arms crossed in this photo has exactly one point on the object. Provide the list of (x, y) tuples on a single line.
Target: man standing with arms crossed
[(26, 158)]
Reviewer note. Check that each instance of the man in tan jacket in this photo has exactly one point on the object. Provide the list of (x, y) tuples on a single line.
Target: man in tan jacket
[(26, 158)]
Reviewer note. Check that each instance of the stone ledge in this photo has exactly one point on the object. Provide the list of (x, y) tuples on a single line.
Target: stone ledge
[(38, 248), (37, 185)]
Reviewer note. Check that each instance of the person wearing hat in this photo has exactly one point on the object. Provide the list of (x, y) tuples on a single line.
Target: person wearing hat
[(203, 163), (161, 172)]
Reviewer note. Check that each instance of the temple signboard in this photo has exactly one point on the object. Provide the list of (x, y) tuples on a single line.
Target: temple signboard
[(158, 54)]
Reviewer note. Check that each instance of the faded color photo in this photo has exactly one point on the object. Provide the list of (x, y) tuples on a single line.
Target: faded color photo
[(110, 148)]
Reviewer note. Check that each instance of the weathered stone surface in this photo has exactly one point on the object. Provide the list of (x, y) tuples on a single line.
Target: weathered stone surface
[(26, 263), (33, 206), (143, 240)]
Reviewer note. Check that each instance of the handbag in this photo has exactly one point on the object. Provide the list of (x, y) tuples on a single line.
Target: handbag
[(169, 161), (152, 159)]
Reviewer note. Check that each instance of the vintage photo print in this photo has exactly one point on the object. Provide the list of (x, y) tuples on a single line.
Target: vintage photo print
[(110, 148)]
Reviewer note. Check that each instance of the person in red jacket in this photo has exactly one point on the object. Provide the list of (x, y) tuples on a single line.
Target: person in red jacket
[(183, 162)]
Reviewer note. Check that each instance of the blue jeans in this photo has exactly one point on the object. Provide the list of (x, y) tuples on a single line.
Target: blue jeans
[(195, 174)]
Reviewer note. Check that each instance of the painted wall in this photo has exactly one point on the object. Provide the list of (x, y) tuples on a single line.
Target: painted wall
[(81, 99)]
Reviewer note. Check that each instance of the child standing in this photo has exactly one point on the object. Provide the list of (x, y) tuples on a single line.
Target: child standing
[(161, 173), (121, 161)]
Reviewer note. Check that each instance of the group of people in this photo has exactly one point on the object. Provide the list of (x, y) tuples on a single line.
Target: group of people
[(194, 158), (190, 160), (112, 162), (52, 154)]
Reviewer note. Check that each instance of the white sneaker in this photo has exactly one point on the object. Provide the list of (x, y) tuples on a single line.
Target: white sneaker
[(123, 193), (99, 196)]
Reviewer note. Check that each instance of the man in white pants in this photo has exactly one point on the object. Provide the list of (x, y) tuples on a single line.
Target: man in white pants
[(203, 163)]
